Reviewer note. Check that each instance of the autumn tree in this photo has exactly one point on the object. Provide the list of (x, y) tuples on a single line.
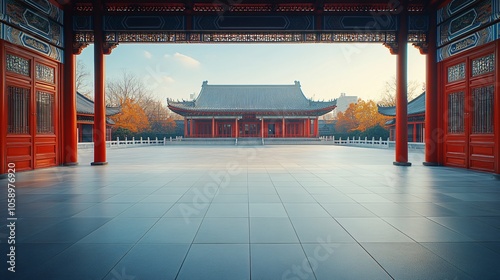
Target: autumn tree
[(159, 118), (359, 117), (83, 84), (127, 87), (132, 117), (346, 121), (367, 115), (388, 96)]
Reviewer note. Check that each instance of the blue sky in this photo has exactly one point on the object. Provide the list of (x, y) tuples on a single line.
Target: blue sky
[(324, 70)]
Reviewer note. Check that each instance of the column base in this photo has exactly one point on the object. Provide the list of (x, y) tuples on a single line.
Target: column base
[(99, 163), (397, 163), (427, 163), (70, 163)]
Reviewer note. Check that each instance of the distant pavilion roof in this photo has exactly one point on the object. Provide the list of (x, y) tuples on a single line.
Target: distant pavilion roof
[(416, 106), (86, 106), (258, 99)]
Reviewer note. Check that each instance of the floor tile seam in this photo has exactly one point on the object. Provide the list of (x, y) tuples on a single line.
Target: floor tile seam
[(445, 260), (42, 264), (249, 240), (455, 231), (359, 244), (120, 259), (194, 237), (298, 238)]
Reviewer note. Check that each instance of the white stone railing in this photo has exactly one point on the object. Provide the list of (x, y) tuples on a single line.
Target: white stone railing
[(376, 143), (380, 143), (131, 142)]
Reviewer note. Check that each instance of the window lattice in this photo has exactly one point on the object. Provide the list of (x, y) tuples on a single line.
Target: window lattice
[(456, 107), (456, 72), (44, 73), (19, 65), (482, 117), (483, 65), (44, 112), (18, 114)]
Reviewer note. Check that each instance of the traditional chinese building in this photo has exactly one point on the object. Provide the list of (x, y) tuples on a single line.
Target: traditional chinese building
[(416, 119), (251, 111), (85, 118), (39, 42)]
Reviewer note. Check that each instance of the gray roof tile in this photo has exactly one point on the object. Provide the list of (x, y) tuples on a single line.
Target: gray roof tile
[(86, 106), (251, 98), (416, 106)]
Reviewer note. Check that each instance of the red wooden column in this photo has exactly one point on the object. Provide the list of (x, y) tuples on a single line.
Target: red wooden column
[(69, 150), (401, 89), (213, 127), (431, 96), (283, 127), (316, 127), (191, 128), (236, 129), (99, 131), (308, 127), (303, 128), (262, 127), (185, 127)]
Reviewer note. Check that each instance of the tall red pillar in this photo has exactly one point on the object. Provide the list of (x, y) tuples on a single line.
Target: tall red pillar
[(308, 127), (69, 131), (262, 127), (99, 131), (185, 127), (431, 97), (401, 89), (316, 127), (283, 127), (236, 129), (191, 127)]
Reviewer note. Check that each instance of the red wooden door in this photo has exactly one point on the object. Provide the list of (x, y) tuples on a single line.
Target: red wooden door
[(468, 102), (30, 110)]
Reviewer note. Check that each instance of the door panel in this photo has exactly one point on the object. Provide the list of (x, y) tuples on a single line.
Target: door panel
[(31, 85), (469, 110)]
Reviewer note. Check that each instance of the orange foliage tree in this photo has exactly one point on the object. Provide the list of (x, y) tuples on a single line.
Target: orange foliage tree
[(132, 117), (359, 116), (366, 112), (346, 121)]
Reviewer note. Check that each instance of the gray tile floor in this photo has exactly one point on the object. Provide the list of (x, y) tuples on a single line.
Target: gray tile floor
[(272, 212)]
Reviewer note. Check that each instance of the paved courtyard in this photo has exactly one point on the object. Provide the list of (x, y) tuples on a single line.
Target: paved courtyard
[(267, 212)]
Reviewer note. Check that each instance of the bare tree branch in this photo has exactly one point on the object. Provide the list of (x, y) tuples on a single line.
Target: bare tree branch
[(83, 84), (414, 88)]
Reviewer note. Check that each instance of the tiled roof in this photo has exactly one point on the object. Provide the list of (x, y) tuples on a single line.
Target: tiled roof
[(86, 106), (250, 98), (416, 106)]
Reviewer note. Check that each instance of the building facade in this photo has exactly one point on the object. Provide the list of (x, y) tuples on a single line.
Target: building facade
[(85, 118), (251, 111), (343, 102), (39, 42), (416, 119)]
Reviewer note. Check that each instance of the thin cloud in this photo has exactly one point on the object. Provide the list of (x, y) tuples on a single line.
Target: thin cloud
[(168, 79), (148, 55), (186, 60)]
